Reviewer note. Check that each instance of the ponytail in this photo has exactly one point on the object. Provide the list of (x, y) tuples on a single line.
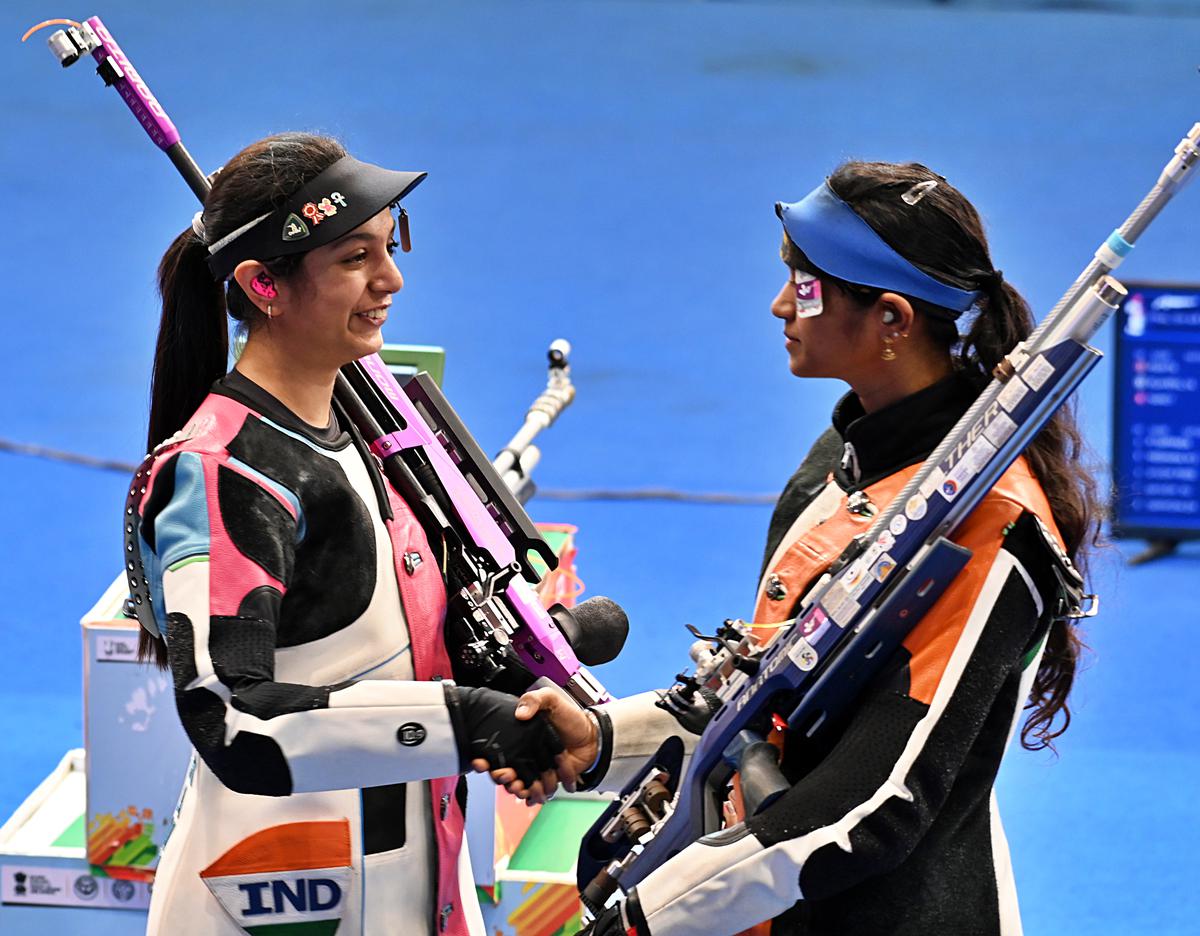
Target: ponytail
[(193, 341), (1054, 457), (1004, 320)]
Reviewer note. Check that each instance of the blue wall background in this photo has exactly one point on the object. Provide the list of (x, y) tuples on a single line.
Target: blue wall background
[(606, 171)]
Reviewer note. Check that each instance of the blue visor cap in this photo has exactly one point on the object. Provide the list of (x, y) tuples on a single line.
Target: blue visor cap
[(842, 244)]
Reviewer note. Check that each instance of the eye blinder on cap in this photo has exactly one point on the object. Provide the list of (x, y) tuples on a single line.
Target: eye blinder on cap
[(405, 234), (334, 203), (839, 242), (808, 294)]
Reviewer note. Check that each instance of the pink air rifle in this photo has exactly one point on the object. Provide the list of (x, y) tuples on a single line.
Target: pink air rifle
[(501, 633)]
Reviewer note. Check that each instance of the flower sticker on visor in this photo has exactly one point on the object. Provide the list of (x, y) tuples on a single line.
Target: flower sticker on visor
[(808, 295)]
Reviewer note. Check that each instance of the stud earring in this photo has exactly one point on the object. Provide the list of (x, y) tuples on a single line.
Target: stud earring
[(889, 353)]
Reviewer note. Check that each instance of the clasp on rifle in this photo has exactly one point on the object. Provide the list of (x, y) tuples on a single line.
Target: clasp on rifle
[(1088, 607), (860, 504)]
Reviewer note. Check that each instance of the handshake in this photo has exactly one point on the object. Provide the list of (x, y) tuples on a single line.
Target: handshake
[(529, 745)]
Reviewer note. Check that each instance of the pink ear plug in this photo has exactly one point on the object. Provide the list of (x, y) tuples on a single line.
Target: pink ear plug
[(264, 286)]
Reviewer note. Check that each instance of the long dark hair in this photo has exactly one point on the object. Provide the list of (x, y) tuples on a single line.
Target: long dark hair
[(193, 336), (942, 234)]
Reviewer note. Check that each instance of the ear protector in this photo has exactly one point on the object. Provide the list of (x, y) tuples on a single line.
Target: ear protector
[(264, 286)]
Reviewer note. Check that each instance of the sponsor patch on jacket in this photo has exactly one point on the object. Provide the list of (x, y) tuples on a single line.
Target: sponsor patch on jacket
[(292, 880)]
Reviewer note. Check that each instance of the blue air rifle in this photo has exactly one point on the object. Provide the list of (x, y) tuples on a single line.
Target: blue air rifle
[(504, 636), (810, 680)]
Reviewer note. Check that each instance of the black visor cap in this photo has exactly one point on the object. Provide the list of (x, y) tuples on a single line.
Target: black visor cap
[(344, 196)]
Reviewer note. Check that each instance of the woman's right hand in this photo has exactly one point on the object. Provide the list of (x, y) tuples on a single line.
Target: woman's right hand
[(576, 729), (492, 735)]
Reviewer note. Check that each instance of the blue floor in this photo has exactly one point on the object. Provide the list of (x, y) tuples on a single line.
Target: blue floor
[(605, 171)]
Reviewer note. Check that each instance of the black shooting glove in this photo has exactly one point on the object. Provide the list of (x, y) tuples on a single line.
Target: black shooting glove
[(486, 726), (607, 924), (618, 920)]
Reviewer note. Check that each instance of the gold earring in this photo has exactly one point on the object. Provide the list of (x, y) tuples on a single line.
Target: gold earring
[(270, 313), (889, 353)]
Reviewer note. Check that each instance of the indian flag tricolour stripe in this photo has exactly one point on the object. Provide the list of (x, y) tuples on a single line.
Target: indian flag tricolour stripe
[(289, 880)]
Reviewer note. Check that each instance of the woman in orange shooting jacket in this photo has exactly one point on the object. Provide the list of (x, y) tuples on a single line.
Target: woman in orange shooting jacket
[(890, 824)]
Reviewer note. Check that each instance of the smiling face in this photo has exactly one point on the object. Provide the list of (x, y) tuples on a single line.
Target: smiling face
[(332, 309), (341, 295)]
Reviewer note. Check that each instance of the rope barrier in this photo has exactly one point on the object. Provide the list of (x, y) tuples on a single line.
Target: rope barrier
[(550, 494)]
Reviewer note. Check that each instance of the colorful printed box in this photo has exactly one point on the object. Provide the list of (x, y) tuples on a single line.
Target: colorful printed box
[(137, 751), (532, 878)]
